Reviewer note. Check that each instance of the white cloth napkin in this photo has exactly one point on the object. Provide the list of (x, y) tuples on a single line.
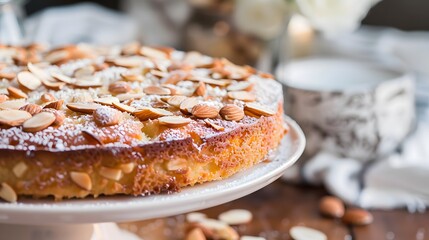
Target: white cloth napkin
[(84, 22), (399, 180)]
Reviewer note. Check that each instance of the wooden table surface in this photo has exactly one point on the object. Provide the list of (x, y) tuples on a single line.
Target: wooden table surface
[(280, 206)]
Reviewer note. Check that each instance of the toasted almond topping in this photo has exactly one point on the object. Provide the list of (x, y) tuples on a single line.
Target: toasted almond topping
[(127, 167), (38, 72), (131, 48), (7, 75), (91, 138), (128, 96), (48, 97), (128, 62), (7, 193), (210, 81), (175, 101), (107, 100), (111, 173), (63, 78), (174, 77), (204, 111), (178, 164), (87, 84), (242, 96), (159, 104), (119, 87), (258, 109), (266, 75), (53, 85), (195, 217), (132, 77), (106, 116), (236, 216), (57, 56), (3, 98), (241, 86), (55, 104), (174, 121), (39, 122), (82, 179), (19, 169), (83, 107), (195, 234), (156, 90), (147, 113), (13, 104), (84, 71), (187, 104), (153, 53), (16, 93), (31, 108), (123, 107), (201, 89), (59, 116), (213, 125), (13, 117), (232, 112), (160, 74)]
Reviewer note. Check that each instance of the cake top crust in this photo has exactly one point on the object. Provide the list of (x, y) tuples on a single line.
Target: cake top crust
[(83, 96)]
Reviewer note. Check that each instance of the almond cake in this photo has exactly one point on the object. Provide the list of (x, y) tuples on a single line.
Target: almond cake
[(81, 120)]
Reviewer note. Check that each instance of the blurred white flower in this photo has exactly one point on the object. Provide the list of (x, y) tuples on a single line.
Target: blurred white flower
[(263, 18), (335, 16)]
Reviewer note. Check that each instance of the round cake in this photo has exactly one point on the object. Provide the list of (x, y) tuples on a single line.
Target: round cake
[(81, 120)]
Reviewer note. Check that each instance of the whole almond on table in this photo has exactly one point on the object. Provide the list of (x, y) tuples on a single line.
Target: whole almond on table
[(107, 116), (31, 108), (119, 87), (357, 217), (204, 111), (331, 207), (232, 112)]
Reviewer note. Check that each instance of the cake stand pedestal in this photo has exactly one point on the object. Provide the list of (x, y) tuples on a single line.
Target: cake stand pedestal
[(44, 219)]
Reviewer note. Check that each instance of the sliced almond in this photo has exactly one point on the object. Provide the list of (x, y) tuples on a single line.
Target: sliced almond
[(221, 83), (213, 125), (48, 97), (131, 48), (201, 89), (107, 100), (38, 122), (55, 104), (301, 232), (31, 108), (128, 62), (38, 72), (87, 84), (59, 116), (57, 56), (187, 104), (175, 101), (84, 71), (156, 90), (195, 234), (7, 193), (82, 179), (127, 167), (91, 138), (242, 96), (16, 93), (128, 96), (111, 173), (159, 104), (160, 74), (19, 169), (153, 53), (236, 216), (106, 116), (147, 113), (132, 77), (14, 117), (83, 107), (7, 75), (53, 85), (13, 104), (119, 87), (123, 107), (174, 121), (231, 112), (3, 98), (174, 77), (241, 86), (63, 78), (204, 111), (259, 109)]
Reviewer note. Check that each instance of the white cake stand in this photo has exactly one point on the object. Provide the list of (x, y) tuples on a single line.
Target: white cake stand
[(74, 219)]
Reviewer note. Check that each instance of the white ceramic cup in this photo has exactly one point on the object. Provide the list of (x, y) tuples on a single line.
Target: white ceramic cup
[(356, 109)]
